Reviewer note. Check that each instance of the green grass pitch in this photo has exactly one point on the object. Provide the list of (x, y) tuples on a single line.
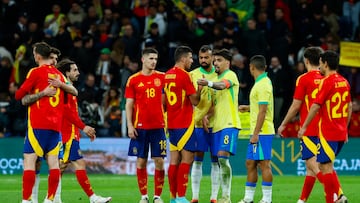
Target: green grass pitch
[(123, 189)]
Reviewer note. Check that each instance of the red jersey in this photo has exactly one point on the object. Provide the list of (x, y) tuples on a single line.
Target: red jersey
[(146, 90), (306, 89), (334, 98), (47, 112), (71, 120), (178, 88)]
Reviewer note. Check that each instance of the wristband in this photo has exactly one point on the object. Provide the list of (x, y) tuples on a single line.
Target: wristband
[(210, 84)]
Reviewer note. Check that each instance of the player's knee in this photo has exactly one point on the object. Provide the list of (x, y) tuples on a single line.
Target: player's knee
[(159, 163)]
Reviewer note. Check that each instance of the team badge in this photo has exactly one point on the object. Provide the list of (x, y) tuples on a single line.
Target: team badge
[(157, 82)]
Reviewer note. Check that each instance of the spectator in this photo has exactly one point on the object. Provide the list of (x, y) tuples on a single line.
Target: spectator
[(16, 114), (154, 17), (253, 41), (354, 125), (112, 112), (5, 73), (76, 13), (245, 79), (282, 84), (52, 21)]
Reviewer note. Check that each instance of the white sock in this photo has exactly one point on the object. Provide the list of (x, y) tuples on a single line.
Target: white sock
[(144, 196), (196, 175), (35, 189), (249, 193), (58, 191), (225, 176), (215, 180), (267, 193)]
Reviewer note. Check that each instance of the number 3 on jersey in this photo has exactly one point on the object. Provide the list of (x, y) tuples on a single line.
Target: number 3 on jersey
[(170, 95)]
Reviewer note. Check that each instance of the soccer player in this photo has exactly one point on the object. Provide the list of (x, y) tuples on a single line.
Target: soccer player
[(262, 127), (204, 135), (54, 57), (305, 92), (333, 102), (44, 121), (226, 120), (71, 137), (181, 95), (145, 121)]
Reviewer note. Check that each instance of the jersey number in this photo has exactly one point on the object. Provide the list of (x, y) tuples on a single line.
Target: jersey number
[(150, 92), (170, 95), (337, 111), (54, 100)]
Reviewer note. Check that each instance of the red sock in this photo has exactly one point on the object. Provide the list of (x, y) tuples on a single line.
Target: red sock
[(28, 183), (328, 182), (172, 175), (307, 187), (337, 186), (53, 182), (159, 181), (84, 182), (320, 177), (183, 179), (142, 179)]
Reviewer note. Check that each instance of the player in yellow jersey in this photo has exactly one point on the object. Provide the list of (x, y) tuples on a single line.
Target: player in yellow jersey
[(204, 135), (262, 128), (226, 119)]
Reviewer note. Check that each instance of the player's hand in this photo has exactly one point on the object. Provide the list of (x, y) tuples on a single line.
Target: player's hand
[(90, 132), (205, 122), (132, 132), (49, 91), (202, 82), (281, 130), (254, 139), (243, 108), (56, 82), (301, 133)]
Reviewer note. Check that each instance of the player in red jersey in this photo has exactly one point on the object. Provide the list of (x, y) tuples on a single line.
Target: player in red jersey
[(44, 120), (333, 102), (71, 137), (54, 57), (181, 95), (145, 121), (305, 93)]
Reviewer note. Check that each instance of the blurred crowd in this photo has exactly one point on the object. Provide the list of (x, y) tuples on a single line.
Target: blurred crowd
[(105, 39)]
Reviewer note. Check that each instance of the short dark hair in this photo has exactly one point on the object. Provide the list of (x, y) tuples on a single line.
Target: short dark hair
[(181, 51), (149, 50), (259, 62), (332, 59), (64, 65), (43, 49), (313, 55), (54, 50), (205, 48), (224, 53)]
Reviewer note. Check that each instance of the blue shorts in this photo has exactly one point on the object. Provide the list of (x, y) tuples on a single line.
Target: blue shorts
[(225, 140), (309, 147), (42, 142), (154, 138), (203, 139), (183, 138), (71, 151), (328, 150), (261, 150), (61, 150)]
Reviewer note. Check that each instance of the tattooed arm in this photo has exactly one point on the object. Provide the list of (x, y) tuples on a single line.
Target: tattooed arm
[(31, 98)]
